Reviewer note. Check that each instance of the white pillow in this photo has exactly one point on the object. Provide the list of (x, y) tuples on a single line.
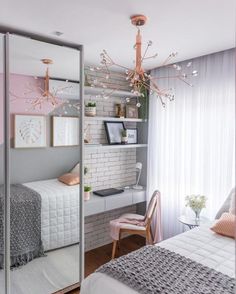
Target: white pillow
[(226, 205), (75, 169)]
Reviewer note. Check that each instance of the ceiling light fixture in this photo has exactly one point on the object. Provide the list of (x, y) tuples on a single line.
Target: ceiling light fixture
[(42, 94), (139, 79)]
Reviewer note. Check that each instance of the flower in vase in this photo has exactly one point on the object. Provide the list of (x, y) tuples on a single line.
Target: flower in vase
[(196, 202)]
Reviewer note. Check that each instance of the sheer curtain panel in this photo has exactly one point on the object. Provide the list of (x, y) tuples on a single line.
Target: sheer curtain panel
[(192, 140)]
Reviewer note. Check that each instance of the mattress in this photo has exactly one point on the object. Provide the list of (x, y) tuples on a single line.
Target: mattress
[(59, 213), (199, 244)]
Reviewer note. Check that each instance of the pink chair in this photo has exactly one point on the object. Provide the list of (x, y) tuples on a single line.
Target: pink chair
[(135, 224)]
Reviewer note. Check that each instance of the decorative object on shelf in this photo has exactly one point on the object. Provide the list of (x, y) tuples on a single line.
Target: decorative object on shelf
[(119, 110), (87, 191), (138, 168), (132, 136), (131, 111), (124, 137), (138, 77), (29, 131), (65, 131), (196, 203), (87, 136), (42, 92), (113, 131), (90, 109)]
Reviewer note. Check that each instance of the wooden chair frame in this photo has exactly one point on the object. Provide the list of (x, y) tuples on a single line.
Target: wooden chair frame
[(147, 233)]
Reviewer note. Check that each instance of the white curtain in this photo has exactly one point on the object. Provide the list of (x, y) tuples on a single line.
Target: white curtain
[(192, 141)]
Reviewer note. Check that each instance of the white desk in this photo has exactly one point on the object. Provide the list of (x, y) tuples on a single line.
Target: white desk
[(98, 204)]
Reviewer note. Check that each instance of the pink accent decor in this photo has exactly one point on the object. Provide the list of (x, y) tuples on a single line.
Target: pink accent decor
[(18, 105), (140, 221)]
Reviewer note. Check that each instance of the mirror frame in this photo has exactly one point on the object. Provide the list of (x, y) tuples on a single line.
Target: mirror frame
[(7, 32)]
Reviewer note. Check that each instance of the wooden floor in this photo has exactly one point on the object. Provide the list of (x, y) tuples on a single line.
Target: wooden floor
[(101, 255)]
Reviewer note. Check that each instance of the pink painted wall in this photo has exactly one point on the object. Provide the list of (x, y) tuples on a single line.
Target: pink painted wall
[(19, 85)]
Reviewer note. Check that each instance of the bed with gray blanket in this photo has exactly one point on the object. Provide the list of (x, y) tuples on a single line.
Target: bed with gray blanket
[(195, 262), (25, 220), (44, 215)]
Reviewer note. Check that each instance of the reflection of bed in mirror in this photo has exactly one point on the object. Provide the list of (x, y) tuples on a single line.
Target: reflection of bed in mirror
[(44, 217), (59, 213)]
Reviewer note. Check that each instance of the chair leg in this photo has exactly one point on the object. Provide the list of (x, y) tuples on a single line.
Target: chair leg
[(118, 243), (149, 238), (114, 249)]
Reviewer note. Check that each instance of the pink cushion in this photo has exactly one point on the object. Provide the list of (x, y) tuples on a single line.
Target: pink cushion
[(225, 225), (69, 179)]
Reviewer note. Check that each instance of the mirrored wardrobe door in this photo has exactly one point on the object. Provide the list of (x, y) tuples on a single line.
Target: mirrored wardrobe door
[(2, 163), (45, 198)]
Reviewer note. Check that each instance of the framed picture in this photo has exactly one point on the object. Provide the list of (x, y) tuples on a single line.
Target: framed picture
[(113, 131), (29, 131), (131, 111), (132, 135), (65, 131)]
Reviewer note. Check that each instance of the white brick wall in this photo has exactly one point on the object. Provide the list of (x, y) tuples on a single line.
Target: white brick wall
[(97, 227), (109, 168), (115, 168)]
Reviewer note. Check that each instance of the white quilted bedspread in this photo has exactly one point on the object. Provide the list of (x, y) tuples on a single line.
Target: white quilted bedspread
[(60, 213), (199, 244)]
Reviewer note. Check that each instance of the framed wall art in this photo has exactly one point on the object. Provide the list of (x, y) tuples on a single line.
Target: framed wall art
[(65, 131), (131, 111), (132, 135), (114, 131), (29, 131)]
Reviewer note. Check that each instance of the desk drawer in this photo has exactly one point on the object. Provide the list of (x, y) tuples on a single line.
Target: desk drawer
[(119, 200), (94, 207), (139, 196)]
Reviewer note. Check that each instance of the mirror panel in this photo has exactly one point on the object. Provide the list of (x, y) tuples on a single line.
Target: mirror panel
[(44, 105), (2, 213)]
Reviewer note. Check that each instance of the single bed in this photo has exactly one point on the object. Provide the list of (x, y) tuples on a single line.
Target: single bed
[(59, 213), (200, 244)]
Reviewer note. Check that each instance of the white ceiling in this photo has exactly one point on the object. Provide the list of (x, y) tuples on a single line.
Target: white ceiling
[(26, 55), (190, 27)]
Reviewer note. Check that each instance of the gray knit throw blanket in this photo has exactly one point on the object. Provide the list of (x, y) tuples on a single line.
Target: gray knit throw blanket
[(25, 218), (153, 269)]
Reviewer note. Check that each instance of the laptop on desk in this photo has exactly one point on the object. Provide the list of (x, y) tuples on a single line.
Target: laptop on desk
[(108, 192)]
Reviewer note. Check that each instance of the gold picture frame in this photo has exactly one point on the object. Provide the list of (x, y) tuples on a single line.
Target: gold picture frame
[(131, 111)]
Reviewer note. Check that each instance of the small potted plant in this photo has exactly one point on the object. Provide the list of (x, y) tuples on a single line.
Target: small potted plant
[(124, 138), (87, 190), (90, 109), (197, 203)]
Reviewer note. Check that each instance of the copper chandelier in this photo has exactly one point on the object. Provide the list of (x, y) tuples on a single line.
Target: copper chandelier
[(140, 80), (38, 94)]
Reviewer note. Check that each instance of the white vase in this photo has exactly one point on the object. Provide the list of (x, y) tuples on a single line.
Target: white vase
[(90, 111), (86, 196)]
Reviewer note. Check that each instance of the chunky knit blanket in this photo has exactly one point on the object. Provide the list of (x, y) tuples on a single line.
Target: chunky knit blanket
[(153, 269), (25, 219)]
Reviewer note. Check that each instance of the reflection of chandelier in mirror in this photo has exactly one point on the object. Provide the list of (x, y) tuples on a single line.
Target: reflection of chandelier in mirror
[(140, 81), (42, 92)]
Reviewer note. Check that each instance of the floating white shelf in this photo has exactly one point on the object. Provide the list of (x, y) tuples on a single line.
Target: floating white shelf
[(118, 146), (108, 118), (117, 93)]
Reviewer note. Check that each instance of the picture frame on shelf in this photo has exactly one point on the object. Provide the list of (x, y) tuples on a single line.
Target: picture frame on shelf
[(30, 131), (131, 111), (113, 131), (132, 135)]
